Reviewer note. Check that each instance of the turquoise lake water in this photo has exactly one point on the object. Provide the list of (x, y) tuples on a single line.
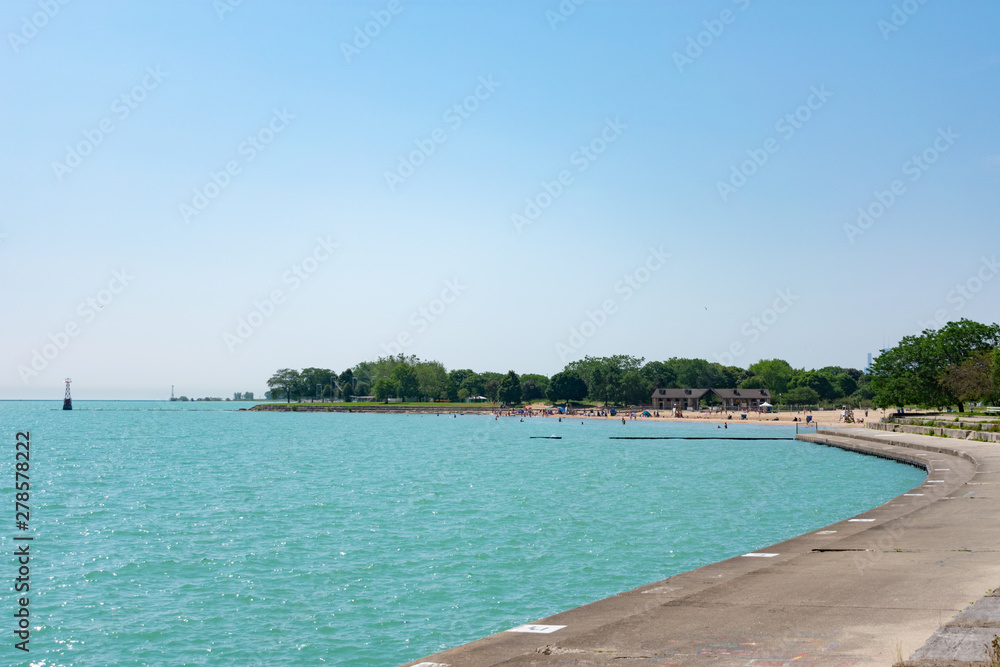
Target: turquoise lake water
[(195, 534)]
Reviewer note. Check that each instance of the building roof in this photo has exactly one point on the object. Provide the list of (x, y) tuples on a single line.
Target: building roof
[(680, 393), (744, 394), (725, 394)]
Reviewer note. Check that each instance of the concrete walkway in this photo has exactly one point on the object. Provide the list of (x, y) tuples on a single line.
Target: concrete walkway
[(865, 591)]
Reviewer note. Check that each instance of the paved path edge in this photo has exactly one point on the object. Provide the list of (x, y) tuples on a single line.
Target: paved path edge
[(607, 617)]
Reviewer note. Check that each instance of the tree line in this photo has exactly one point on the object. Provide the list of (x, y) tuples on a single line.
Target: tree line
[(954, 365), (615, 380)]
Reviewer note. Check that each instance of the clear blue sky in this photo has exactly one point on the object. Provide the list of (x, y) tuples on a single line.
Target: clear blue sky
[(664, 121)]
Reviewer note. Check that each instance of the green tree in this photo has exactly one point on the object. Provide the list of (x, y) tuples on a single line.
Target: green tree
[(697, 373), (472, 385), (456, 378), (284, 382), (637, 389), (911, 372), (817, 382), (776, 373), (541, 380), (753, 382), (385, 388), (864, 391), (894, 375), (458, 375), (567, 385), (405, 379), (311, 378), (382, 367), (627, 386), (432, 379), (801, 396), (733, 376), (346, 384), (995, 369), (530, 390), (659, 375), (491, 383), (594, 372), (970, 380), (605, 376), (509, 388), (957, 341), (845, 384), (597, 377)]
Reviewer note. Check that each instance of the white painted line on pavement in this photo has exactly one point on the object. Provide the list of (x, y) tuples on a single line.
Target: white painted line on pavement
[(538, 629)]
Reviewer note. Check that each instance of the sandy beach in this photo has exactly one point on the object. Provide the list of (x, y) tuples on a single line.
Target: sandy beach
[(820, 417), (825, 418)]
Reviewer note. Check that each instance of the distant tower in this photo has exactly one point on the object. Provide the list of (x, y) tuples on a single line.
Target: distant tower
[(172, 391), (67, 402), (869, 366)]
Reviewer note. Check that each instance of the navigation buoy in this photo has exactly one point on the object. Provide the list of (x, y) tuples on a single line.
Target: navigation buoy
[(67, 402)]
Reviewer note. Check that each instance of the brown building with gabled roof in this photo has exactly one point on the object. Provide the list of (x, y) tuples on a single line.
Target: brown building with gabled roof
[(690, 399), (682, 399), (743, 399)]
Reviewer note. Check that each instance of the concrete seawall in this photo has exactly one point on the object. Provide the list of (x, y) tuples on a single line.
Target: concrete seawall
[(864, 591), (962, 433)]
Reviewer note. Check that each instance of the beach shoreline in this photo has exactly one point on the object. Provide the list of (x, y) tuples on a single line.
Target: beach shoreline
[(820, 418)]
